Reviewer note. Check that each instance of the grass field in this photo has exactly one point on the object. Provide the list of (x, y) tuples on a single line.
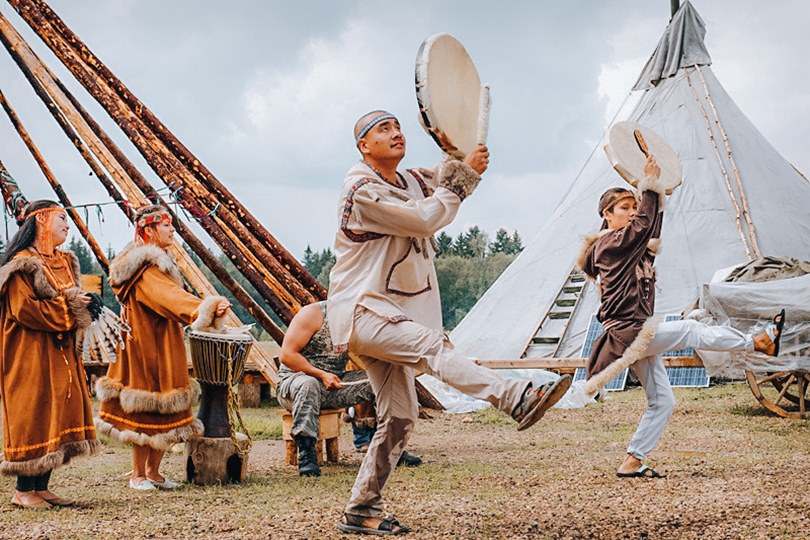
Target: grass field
[(733, 472)]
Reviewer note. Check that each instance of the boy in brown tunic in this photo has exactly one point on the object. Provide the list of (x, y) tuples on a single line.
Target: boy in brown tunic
[(47, 418), (147, 395), (621, 259)]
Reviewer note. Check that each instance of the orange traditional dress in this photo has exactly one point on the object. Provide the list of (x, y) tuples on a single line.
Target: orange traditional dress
[(47, 418), (147, 395)]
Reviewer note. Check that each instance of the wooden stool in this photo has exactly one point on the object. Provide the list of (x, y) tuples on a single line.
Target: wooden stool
[(328, 431)]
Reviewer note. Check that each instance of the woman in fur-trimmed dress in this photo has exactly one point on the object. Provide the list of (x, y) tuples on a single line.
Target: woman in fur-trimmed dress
[(147, 395), (621, 259), (47, 418)]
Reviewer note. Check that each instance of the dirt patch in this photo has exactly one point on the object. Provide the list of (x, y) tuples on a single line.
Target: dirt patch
[(733, 472)]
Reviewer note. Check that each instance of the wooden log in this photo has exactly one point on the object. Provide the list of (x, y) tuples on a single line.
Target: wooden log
[(81, 226), (185, 233), (158, 146), (572, 363), (36, 12), (215, 460), (41, 78), (250, 394)]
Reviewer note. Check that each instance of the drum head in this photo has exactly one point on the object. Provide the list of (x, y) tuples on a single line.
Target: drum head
[(627, 157), (448, 92)]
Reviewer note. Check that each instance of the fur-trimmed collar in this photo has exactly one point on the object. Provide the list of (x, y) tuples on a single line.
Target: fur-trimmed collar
[(25, 263), (135, 258), (653, 247)]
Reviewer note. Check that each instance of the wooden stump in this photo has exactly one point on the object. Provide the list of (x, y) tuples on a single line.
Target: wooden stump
[(214, 460), (250, 394), (328, 434)]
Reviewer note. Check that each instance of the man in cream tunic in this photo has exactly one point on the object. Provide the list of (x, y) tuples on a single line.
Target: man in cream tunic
[(384, 302)]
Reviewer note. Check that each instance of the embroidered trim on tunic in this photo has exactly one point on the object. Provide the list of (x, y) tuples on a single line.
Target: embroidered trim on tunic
[(391, 273), (426, 191), (51, 441), (347, 212), (147, 426)]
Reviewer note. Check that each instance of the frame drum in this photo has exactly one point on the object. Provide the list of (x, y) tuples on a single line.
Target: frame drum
[(627, 145), (453, 105)]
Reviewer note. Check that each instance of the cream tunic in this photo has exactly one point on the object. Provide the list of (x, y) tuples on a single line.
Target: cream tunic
[(384, 247)]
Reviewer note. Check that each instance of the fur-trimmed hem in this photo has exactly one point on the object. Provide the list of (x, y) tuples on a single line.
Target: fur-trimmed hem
[(207, 320), (653, 184), (161, 441), (143, 401), (632, 354), (459, 178), (135, 256), (52, 460), (78, 308)]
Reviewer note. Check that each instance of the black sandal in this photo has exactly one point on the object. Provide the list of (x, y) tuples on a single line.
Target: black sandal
[(354, 524), (642, 472)]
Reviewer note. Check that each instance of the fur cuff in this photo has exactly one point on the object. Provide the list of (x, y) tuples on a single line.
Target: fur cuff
[(652, 184), (632, 354), (52, 460), (161, 441), (206, 320), (136, 401), (654, 246), (78, 308), (459, 178)]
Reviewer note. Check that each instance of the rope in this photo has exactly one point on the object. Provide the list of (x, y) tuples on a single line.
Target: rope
[(233, 409)]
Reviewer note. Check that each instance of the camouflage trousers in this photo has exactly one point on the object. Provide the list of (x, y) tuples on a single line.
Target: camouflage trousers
[(305, 396)]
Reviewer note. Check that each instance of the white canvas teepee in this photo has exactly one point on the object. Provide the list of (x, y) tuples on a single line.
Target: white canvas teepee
[(740, 199)]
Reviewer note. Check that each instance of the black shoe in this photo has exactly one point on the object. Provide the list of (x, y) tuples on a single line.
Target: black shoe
[(307, 460), (409, 460)]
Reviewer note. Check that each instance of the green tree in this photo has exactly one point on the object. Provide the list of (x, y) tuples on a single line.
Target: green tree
[(445, 242), (87, 262), (462, 281), (506, 243), (516, 244)]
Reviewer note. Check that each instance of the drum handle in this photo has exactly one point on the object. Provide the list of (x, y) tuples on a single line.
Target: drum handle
[(484, 103)]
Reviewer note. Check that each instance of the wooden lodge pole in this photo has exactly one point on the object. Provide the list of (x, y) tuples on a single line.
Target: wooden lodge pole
[(50, 90), (81, 226), (170, 159)]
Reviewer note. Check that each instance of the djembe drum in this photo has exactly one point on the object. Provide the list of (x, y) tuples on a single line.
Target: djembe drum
[(219, 363), (220, 455)]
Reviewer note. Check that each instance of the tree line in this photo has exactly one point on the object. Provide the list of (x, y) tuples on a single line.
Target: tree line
[(466, 266)]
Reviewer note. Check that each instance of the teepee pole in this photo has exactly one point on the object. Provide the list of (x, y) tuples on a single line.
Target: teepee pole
[(674, 6), (68, 112), (81, 226), (163, 150)]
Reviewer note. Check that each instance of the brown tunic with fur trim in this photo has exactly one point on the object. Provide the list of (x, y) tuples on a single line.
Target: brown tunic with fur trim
[(47, 418), (622, 260), (147, 395)]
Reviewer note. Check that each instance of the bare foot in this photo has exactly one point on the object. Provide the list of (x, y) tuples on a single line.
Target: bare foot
[(630, 464)]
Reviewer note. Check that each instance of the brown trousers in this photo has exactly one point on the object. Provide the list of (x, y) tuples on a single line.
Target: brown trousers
[(392, 353)]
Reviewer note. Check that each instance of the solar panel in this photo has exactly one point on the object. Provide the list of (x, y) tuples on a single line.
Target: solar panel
[(595, 329), (685, 377)]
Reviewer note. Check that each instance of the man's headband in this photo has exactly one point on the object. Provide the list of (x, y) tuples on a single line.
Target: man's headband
[(382, 117), (608, 201)]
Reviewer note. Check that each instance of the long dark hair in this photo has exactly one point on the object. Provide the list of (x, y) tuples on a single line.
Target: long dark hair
[(27, 232)]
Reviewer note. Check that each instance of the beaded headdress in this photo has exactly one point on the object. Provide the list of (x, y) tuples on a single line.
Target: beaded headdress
[(45, 217), (156, 215)]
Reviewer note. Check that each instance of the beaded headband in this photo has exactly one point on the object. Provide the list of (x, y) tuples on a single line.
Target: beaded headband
[(156, 217), (45, 217), (374, 122)]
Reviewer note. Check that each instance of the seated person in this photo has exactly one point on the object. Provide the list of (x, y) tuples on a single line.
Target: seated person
[(312, 378)]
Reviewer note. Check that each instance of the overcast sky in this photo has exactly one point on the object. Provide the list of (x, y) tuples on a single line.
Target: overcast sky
[(265, 93)]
